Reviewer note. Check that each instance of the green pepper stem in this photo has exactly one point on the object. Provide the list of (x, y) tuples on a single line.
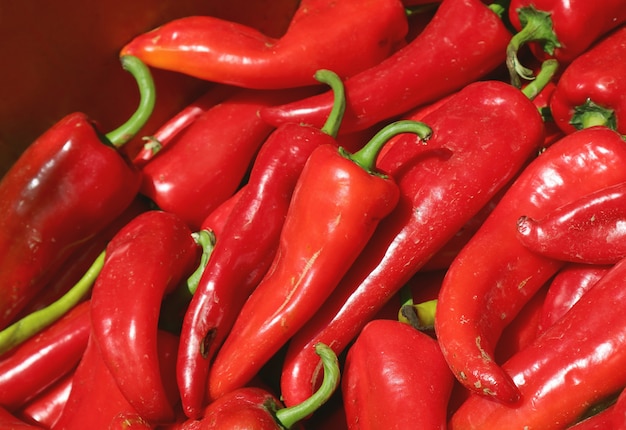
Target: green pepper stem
[(537, 26), (288, 417), (590, 114), (421, 316), (333, 122), (33, 323), (366, 156), (545, 75), (206, 240), (124, 133)]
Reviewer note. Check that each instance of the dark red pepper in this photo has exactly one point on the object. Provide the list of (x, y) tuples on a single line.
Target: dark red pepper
[(144, 261), (68, 185), (462, 43), (9, 421), (395, 377), (321, 35), (495, 275), (338, 201), (469, 158), (46, 408), (246, 246), (589, 229)]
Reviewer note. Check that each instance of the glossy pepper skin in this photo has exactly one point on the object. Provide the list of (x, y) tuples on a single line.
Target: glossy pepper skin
[(395, 377), (46, 408), (495, 275), (447, 55), (443, 185), (319, 37), (586, 230), (144, 261), (592, 89), (337, 203), (553, 27), (206, 163), (36, 364), (9, 421), (574, 364)]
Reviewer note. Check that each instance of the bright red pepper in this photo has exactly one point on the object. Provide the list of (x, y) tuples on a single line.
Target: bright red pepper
[(395, 377), (469, 158), (560, 29), (246, 246), (338, 201), (322, 35), (495, 275), (66, 186), (144, 261), (592, 89), (207, 162), (576, 363), (589, 229), (46, 408), (9, 421), (462, 43)]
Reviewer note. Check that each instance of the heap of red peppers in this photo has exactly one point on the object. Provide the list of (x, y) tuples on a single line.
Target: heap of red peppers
[(404, 214)]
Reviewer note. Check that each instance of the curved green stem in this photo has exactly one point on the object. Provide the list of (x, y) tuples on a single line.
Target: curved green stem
[(140, 71), (545, 75), (366, 156), (333, 122), (421, 315), (206, 239), (33, 323), (590, 114), (288, 417)]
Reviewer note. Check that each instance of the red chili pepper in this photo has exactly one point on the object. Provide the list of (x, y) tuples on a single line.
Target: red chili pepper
[(66, 186), (34, 365), (338, 201), (603, 420), (46, 408), (591, 89), (554, 29), (207, 162), (576, 363), (447, 55), (256, 408), (246, 247), (567, 287), (442, 186), (9, 421), (145, 261), (395, 377), (495, 275), (321, 36), (589, 229), (218, 218)]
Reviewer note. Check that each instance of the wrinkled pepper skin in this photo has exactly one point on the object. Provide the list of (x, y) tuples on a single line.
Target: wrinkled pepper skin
[(335, 208), (395, 377), (322, 35), (568, 18), (145, 261), (447, 55), (596, 76), (206, 163), (589, 229), (36, 364), (243, 253), (443, 185), (65, 188), (494, 275), (576, 363)]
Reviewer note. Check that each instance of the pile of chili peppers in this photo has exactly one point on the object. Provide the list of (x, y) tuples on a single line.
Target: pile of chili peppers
[(418, 221)]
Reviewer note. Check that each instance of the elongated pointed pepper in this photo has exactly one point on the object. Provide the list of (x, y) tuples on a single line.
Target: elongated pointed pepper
[(495, 274), (575, 364), (246, 246), (338, 201), (145, 260), (206, 163), (552, 28), (447, 55), (395, 377), (591, 89), (319, 37), (68, 185), (443, 185), (589, 229)]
